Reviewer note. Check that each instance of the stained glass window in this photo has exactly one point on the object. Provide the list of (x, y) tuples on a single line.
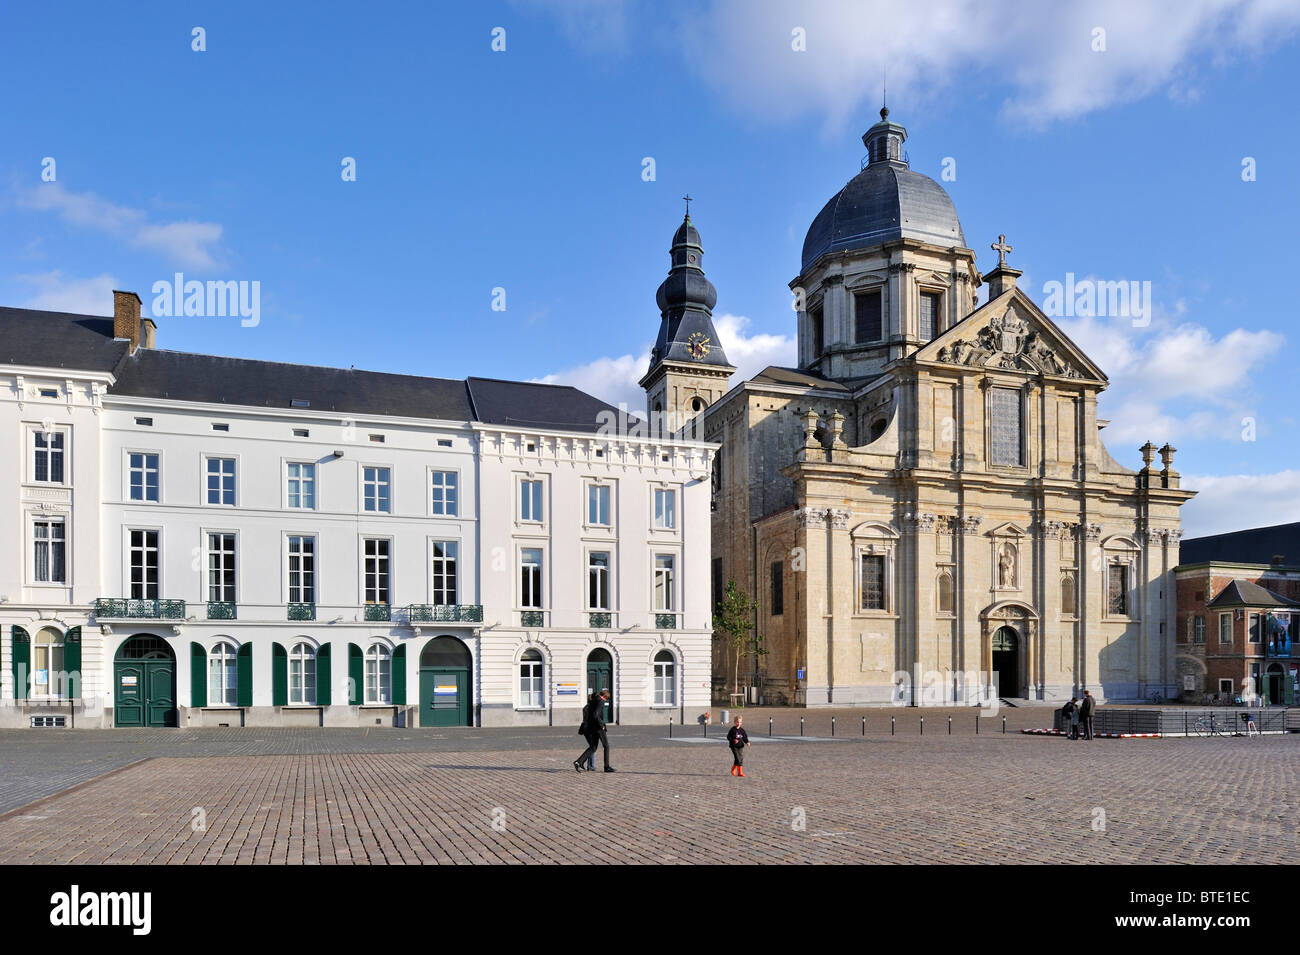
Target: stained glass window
[(1007, 439)]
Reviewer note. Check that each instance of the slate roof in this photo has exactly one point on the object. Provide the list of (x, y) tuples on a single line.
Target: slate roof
[(1243, 593), (778, 375), (1255, 545), (58, 340), (86, 343)]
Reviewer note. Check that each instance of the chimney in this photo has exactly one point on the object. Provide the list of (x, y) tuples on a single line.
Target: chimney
[(126, 317), (148, 333)]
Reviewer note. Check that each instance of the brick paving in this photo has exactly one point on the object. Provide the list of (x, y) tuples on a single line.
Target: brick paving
[(902, 799)]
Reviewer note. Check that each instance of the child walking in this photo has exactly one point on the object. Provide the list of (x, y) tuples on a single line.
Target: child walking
[(737, 739)]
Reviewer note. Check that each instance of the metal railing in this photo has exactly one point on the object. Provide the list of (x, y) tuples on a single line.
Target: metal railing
[(600, 621), (378, 612), (666, 621), (301, 611), (532, 618), (444, 613), (221, 610), (128, 608)]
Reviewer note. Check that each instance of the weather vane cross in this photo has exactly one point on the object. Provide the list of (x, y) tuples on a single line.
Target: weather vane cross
[(1001, 248), (687, 197)]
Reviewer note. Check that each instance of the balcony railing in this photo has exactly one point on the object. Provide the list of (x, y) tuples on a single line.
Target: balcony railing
[(532, 618), (378, 612), (444, 613), (221, 610), (301, 611), (666, 621), (601, 621), (118, 607)]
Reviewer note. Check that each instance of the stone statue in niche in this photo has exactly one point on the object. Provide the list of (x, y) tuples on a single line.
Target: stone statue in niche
[(1007, 566)]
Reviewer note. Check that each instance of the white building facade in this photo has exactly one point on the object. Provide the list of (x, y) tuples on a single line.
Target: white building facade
[(202, 541)]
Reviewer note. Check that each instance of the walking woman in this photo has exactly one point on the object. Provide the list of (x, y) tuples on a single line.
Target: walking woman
[(737, 739)]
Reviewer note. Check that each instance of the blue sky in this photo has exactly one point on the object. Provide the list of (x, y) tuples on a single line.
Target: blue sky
[(523, 170)]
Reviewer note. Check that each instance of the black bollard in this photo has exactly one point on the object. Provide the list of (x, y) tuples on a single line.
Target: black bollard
[(801, 725), (1004, 725), (977, 724), (769, 726), (922, 725), (670, 727), (950, 726), (832, 726), (864, 726), (891, 726)]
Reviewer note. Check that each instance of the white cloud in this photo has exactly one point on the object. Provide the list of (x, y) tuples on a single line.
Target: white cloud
[(56, 292), (1229, 502), (188, 244), (1041, 54), (614, 379)]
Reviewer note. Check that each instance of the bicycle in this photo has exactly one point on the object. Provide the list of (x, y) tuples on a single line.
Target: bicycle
[(1211, 726)]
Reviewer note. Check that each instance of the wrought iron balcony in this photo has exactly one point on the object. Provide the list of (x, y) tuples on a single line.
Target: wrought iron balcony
[(221, 610), (666, 621), (532, 618), (126, 608), (601, 621), (301, 611), (444, 613), (379, 612)]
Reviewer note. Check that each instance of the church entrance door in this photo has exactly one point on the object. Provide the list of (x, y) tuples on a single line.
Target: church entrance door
[(1006, 661)]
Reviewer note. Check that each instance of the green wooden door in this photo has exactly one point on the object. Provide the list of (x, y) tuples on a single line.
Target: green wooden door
[(129, 704), (444, 696), (600, 672), (144, 683)]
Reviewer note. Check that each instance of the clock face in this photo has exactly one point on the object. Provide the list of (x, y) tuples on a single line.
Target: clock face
[(699, 345)]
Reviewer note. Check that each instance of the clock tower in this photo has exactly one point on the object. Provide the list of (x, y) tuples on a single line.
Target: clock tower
[(688, 368)]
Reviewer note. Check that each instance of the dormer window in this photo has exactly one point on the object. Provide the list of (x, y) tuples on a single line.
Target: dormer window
[(868, 325)]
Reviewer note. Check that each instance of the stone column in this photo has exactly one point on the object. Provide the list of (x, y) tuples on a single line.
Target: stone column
[(810, 535), (1092, 587), (972, 589)]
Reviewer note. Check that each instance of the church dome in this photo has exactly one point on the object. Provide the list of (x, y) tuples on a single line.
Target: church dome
[(886, 200)]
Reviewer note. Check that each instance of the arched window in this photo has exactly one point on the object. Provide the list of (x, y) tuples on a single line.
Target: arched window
[(47, 662), (665, 679), (944, 593), (878, 428), (1068, 604), (530, 680), (223, 677), (379, 674), (302, 675)]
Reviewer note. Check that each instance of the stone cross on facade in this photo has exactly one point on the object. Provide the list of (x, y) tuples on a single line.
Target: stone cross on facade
[(1001, 248)]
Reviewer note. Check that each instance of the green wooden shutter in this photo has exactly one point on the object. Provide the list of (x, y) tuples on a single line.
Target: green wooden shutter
[(244, 675), (279, 675), (399, 675), (356, 675), (72, 663), (22, 663), (198, 675), (324, 696)]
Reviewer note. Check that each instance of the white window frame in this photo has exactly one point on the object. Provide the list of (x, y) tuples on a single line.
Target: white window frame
[(64, 453), (608, 575), (455, 486), (206, 473), (663, 581), (532, 500), (593, 494), (49, 540), (531, 680), (664, 518), (664, 680), (306, 582), (144, 550), (305, 663), (306, 485), (378, 654), (452, 557), (229, 669), (387, 569), (207, 566), (540, 596), (144, 470), (370, 488)]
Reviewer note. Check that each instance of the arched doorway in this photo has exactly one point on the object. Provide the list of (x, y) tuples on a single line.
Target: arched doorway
[(600, 676), (144, 678), (445, 667), (1006, 661)]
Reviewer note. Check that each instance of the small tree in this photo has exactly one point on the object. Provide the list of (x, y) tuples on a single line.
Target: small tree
[(733, 626)]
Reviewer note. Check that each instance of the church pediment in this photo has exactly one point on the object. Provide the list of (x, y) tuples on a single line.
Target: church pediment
[(1007, 529), (1010, 333)]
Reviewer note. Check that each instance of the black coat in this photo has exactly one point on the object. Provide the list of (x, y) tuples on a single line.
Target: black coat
[(593, 716), (1085, 708), (737, 736)]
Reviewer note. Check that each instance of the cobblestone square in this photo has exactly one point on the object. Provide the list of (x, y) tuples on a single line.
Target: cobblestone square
[(903, 799)]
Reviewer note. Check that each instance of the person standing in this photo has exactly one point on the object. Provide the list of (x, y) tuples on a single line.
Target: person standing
[(1071, 712), (737, 739), (593, 719), (1085, 713)]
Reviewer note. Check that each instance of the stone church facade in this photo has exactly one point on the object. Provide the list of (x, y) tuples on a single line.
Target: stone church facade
[(924, 508)]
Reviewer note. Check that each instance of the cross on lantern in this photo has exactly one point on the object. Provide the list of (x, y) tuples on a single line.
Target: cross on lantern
[(1001, 248), (687, 197)]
